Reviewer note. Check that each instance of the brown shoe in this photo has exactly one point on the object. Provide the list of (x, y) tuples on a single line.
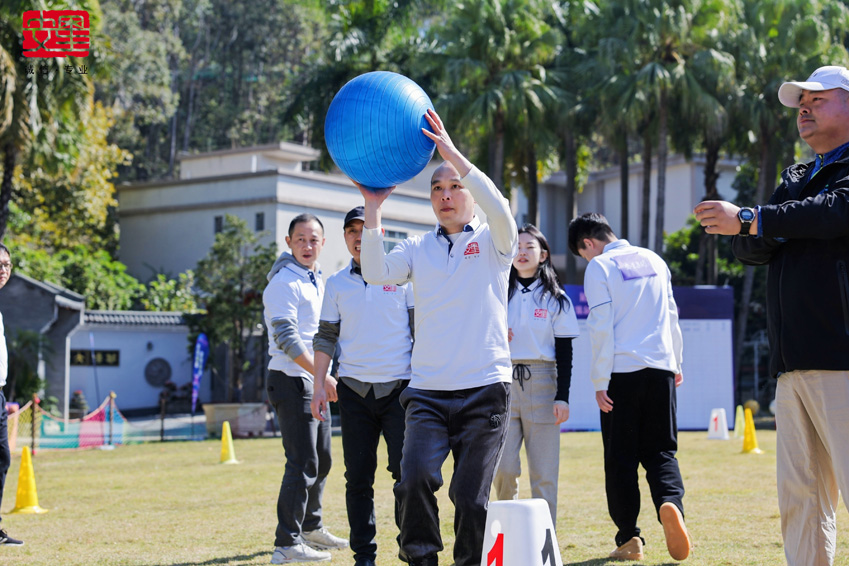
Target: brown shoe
[(631, 550), (677, 538)]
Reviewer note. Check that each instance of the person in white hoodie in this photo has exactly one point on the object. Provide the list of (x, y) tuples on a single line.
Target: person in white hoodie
[(292, 301)]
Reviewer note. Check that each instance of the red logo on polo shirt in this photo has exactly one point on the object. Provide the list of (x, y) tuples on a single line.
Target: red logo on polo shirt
[(472, 249), (389, 288), (540, 313)]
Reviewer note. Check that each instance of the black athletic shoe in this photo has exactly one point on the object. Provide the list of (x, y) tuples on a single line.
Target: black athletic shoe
[(7, 540)]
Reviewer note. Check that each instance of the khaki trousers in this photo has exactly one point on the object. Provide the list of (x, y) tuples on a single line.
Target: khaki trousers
[(532, 421), (812, 422)]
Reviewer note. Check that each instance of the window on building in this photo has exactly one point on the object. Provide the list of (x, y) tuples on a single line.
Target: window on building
[(219, 224), (391, 238), (259, 223)]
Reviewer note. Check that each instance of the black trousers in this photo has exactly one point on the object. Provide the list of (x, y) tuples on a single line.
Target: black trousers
[(471, 424), (5, 455), (363, 421), (642, 429), (306, 443)]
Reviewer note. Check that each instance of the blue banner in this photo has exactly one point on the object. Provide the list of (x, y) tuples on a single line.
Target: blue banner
[(201, 355)]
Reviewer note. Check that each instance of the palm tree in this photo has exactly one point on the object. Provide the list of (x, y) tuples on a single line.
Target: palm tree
[(576, 74), (493, 53), (42, 113), (362, 36), (654, 69), (783, 40)]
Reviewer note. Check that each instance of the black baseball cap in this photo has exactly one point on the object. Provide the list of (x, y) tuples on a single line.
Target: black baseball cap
[(357, 213)]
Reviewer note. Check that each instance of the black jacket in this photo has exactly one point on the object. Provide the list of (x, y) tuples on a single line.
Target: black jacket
[(808, 281)]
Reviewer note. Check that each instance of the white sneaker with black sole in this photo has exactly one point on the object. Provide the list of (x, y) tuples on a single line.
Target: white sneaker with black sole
[(298, 553), (323, 540)]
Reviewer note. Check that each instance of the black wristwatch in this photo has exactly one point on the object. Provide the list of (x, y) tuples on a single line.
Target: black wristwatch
[(746, 216)]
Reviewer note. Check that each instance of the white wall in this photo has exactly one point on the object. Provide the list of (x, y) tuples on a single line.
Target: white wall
[(167, 228)]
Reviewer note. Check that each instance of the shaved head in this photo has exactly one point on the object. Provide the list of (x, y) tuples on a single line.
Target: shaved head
[(446, 170)]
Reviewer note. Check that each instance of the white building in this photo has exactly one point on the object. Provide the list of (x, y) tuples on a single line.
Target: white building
[(602, 193), (134, 354), (168, 226)]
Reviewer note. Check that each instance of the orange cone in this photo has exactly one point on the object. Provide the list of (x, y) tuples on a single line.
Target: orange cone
[(27, 497)]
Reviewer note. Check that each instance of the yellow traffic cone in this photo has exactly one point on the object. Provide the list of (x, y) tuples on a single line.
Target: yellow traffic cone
[(739, 422), (228, 455), (750, 439), (27, 497)]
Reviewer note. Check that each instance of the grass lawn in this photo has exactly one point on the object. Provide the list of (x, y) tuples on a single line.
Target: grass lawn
[(173, 504)]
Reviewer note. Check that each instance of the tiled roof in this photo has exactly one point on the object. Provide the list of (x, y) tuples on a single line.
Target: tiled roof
[(135, 318)]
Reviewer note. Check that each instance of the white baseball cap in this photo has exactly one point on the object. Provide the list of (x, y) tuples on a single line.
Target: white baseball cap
[(824, 78)]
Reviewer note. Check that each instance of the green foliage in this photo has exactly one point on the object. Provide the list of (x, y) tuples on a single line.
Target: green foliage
[(26, 348), (71, 204), (171, 295), (230, 282), (143, 53), (94, 274), (681, 253), (494, 86)]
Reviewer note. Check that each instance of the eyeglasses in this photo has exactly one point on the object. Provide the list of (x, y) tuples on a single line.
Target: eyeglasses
[(5, 267)]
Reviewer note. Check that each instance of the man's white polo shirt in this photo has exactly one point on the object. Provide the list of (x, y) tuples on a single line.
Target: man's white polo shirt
[(633, 318), (374, 329), (294, 293), (460, 292), (536, 321)]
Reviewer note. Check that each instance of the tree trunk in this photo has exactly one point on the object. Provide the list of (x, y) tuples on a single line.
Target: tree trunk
[(646, 200), (496, 172), (660, 207), (189, 111), (570, 164), (10, 156), (623, 189), (172, 134), (707, 243), (533, 186), (766, 177)]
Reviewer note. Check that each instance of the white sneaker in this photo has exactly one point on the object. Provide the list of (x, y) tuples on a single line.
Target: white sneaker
[(323, 540), (298, 553)]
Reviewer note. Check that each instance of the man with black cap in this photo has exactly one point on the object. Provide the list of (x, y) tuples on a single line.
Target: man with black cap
[(372, 325), (803, 235)]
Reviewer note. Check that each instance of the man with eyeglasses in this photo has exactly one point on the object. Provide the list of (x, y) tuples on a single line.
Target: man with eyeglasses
[(5, 455)]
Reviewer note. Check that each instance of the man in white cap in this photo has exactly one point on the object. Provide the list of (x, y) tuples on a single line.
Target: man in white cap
[(803, 235)]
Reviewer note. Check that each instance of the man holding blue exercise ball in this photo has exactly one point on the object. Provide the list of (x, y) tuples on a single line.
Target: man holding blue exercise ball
[(459, 394)]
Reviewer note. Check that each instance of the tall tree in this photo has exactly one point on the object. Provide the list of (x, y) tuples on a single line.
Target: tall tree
[(493, 53), (783, 40), (359, 36), (669, 36), (144, 52), (42, 112), (230, 282), (575, 74)]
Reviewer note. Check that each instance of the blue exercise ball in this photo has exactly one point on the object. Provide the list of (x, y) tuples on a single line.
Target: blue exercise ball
[(373, 129)]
